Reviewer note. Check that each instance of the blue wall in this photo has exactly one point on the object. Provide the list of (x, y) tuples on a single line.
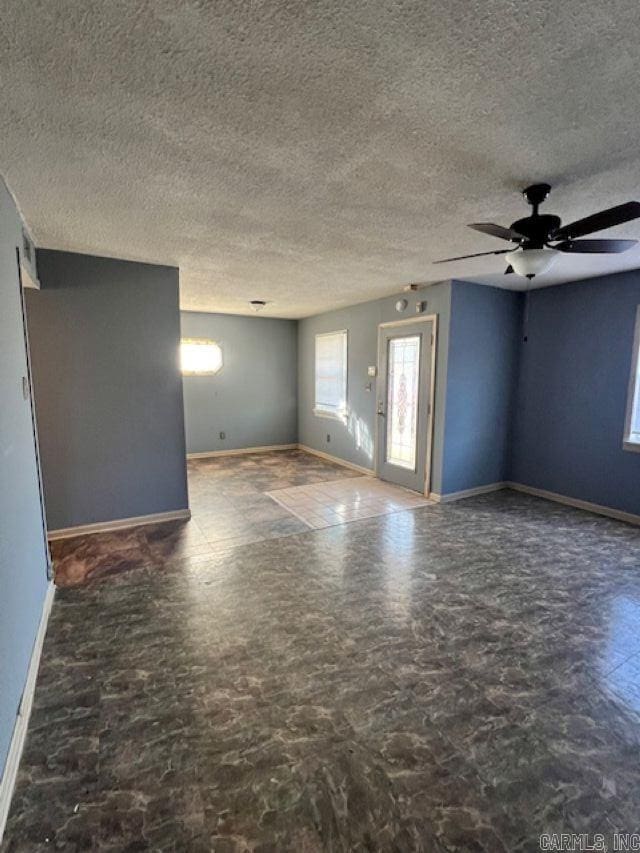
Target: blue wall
[(484, 340), (572, 392), (253, 399), (23, 561), (548, 413), (354, 441), (104, 344)]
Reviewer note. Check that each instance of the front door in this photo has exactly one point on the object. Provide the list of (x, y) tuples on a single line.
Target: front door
[(404, 402)]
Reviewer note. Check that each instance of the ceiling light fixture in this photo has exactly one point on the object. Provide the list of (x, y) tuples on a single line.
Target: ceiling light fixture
[(531, 262), (257, 304), (539, 230)]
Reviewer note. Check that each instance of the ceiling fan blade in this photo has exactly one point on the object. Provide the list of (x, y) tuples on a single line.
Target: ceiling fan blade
[(509, 270), (496, 231), (599, 221), (590, 247), (475, 255)]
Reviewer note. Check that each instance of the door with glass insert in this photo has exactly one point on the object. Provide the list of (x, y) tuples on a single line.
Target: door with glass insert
[(404, 395)]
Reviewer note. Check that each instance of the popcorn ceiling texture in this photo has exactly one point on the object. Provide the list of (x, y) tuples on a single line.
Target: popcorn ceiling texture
[(314, 154)]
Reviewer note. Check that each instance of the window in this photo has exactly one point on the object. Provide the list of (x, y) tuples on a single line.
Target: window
[(403, 396), (632, 426), (331, 375), (199, 357)]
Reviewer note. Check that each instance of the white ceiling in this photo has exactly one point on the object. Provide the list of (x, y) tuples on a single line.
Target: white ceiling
[(315, 154)]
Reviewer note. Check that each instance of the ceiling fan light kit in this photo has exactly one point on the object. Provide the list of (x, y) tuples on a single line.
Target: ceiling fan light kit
[(541, 238), (531, 262)]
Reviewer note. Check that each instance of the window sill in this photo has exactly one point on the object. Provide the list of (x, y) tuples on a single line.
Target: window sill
[(634, 446), (332, 416)]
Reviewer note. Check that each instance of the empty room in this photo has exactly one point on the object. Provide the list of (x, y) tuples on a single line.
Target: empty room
[(319, 426)]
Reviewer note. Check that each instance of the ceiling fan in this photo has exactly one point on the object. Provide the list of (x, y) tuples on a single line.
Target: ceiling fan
[(542, 237)]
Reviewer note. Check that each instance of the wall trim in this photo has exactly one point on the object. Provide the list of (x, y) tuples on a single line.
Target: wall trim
[(119, 524), (10, 774), (598, 509), (467, 493), (368, 471), (240, 451)]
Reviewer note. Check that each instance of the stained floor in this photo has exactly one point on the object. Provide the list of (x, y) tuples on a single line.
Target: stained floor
[(462, 677), (229, 507)]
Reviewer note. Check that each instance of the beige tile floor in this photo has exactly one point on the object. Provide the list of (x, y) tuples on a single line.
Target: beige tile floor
[(340, 501)]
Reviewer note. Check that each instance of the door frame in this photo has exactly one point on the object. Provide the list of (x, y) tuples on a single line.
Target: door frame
[(422, 318), (34, 423)]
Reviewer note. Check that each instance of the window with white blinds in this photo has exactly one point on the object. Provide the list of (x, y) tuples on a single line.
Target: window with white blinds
[(331, 374), (632, 426)]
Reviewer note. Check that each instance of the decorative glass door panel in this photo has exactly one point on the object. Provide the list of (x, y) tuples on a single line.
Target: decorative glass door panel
[(403, 384), (404, 393)]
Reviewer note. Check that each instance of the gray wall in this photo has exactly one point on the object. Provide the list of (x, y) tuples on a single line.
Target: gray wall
[(23, 562), (104, 342), (482, 373), (253, 399), (354, 441)]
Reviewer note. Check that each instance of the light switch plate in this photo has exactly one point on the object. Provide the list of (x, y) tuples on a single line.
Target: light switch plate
[(372, 370)]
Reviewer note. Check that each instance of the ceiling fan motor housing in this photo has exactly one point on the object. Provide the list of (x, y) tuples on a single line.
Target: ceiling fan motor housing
[(536, 229)]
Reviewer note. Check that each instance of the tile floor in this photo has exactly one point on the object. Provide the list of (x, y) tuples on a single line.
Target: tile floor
[(229, 507), (462, 677), (341, 501)]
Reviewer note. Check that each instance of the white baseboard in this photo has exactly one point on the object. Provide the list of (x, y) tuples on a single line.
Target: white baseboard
[(336, 460), (466, 493), (241, 451), (119, 524), (268, 448), (10, 774), (610, 512)]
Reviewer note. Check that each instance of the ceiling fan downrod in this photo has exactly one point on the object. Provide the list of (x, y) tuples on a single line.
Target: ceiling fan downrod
[(535, 195)]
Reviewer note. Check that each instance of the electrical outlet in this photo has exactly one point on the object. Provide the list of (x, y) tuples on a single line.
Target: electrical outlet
[(223, 435), (328, 437)]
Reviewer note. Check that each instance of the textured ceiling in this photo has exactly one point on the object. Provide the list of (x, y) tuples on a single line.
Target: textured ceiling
[(315, 154)]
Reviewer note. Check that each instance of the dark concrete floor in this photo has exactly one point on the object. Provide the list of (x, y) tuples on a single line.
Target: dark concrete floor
[(460, 677)]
